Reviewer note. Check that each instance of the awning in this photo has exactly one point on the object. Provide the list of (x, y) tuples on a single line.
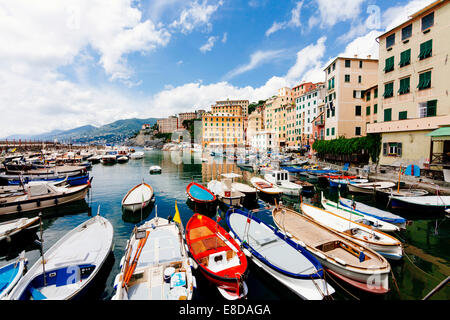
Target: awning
[(441, 134)]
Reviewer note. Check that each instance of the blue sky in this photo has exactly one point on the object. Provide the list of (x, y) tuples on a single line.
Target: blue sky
[(77, 62)]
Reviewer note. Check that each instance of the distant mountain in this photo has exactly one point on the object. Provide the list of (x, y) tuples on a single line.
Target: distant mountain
[(113, 132)]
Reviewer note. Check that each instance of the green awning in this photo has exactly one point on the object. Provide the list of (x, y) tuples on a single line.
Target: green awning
[(441, 134)]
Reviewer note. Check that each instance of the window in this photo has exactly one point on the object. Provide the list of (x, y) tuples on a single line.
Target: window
[(347, 78), (424, 80), (359, 79), (402, 115), (389, 65), (368, 96), (392, 149), (332, 131), (426, 49), (427, 109), (405, 58), (388, 90), (357, 131), (328, 131), (368, 111), (404, 86), (428, 21), (407, 32), (360, 64), (334, 66), (357, 110), (347, 63), (390, 40), (375, 93), (387, 114), (333, 112)]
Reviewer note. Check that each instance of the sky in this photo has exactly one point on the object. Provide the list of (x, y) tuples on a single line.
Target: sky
[(68, 63)]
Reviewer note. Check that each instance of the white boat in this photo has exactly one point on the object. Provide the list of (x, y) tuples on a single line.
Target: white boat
[(345, 182), (155, 265), (356, 216), (373, 212), (155, 169), (427, 203), (138, 197), (10, 228), (10, 274), (225, 192), (40, 195), (403, 192), (382, 243), (248, 191), (122, 159), (369, 187), (280, 178), (70, 264), (340, 255), (280, 257), (265, 186), (137, 155)]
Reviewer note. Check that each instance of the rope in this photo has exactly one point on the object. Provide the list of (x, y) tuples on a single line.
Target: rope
[(418, 267), (343, 287), (396, 285)]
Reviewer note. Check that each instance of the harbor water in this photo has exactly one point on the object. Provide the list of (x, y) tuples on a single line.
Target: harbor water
[(426, 238)]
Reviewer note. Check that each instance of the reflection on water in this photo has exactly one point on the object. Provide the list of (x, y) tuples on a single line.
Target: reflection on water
[(426, 239)]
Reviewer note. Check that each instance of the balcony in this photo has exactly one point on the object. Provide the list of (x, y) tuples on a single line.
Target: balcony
[(319, 123)]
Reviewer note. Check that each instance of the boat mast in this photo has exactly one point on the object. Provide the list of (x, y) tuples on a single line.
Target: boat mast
[(42, 250)]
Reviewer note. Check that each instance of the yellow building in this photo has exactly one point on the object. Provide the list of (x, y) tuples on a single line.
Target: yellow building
[(413, 80), (346, 81), (275, 117), (231, 104), (291, 134), (222, 129), (255, 124)]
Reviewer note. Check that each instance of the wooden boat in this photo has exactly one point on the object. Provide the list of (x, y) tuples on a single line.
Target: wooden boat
[(11, 273), (122, 159), (155, 265), (280, 257), (138, 197), (137, 155), (11, 228), (225, 192), (94, 159), (359, 266), (73, 180), (369, 187), (198, 193), (427, 203), (307, 187), (70, 264), (373, 212), (109, 159), (382, 243), (265, 186), (155, 169), (402, 192), (280, 178), (248, 191), (41, 195), (334, 183), (217, 255), (353, 215)]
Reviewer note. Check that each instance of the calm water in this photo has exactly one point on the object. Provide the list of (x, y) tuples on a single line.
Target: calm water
[(426, 239)]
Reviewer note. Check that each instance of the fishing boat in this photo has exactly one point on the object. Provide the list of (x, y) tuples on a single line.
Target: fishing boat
[(94, 159), (138, 197), (402, 192), (72, 180), (11, 228), (217, 255), (359, 266), (40, 195), (155, 265), (384, 244), (427, 203), (11, 273), (70, 264), (341, 182), (225, 192), (137, 155), (307, 187), (369, 187), (284, 260), (353, 215), (122, 159), (280, 178), (109, 158), (373, 212), (199, 194), (265, 186), (155, 169)]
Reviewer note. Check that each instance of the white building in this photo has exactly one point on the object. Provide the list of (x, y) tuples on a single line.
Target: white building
[(264, 141), (307, 108)]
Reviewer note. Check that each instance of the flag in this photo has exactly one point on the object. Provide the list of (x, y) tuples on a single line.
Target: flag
[(177, 218), (218, 218)]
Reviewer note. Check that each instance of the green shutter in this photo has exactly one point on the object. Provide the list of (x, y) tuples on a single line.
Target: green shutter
[(332, 131), (375, 108), (389, 65), (424, 80), (387, 114), (388, 90), (426, 49), (404, 86), (375, 93), (431, 108), (368, 111), (402, 115), (405, 58)]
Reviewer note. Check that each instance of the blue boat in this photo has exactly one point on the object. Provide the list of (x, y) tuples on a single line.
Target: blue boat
[(275, 253), (10, 274), (77, 180), (198, 193)]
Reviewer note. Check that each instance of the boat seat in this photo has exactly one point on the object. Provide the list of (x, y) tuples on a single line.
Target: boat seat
[(36, 294)]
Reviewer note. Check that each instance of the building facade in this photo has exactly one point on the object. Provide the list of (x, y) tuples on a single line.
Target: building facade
[(185, 116), (255, 123), (264, 141), (228, 105), (413, 80), (222, 130), (167, 125)]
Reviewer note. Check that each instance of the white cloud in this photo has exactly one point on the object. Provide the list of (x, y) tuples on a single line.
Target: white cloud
[(363, 46), (197, 15), (208, 45), (225, 37), (256, 59), (332, 12), (395, 16), (293, 22)]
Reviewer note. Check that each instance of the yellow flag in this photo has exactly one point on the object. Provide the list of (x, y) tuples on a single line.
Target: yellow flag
[(177, 218)]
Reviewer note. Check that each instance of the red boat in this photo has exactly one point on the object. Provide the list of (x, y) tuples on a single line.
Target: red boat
[(340, 177), (198, 193), (218, 256)]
